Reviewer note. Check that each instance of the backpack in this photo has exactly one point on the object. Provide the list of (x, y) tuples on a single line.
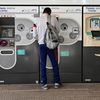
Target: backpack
[(51, 38)]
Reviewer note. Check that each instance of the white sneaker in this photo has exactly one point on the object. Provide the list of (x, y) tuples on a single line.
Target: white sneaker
[(56, 85), (45, 87)]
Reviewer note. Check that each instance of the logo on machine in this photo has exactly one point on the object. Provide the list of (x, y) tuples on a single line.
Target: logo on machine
[(91, 9), (3, 9)]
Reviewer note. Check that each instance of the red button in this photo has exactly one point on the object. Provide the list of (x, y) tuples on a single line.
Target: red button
[(3, 43)]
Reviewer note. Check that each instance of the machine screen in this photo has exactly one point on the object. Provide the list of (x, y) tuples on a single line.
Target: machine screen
[(6, 32)]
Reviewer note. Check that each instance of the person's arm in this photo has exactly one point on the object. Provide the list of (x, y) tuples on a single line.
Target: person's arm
[(35, 31)]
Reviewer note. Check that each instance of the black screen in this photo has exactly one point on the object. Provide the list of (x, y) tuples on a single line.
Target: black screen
[(6, 32)]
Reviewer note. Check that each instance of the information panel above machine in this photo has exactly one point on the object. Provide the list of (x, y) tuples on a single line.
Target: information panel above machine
[(19, 9)]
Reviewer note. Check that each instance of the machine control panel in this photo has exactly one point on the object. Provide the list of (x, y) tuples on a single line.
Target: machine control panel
[(69, 29), (7, 32), (7, 42), (24, 31)]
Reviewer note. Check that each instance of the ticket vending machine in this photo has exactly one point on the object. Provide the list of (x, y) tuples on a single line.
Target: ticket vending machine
[(19, 61), (91, 44), (69, 51)]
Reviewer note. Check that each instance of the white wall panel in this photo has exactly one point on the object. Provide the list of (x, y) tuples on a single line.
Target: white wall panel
[(41, 2)]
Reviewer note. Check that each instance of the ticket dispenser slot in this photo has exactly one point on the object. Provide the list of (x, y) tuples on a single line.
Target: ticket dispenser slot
[(7, 42), (6, 52)]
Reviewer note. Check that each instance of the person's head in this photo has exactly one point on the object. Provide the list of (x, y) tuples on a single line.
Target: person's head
[(47, 10)]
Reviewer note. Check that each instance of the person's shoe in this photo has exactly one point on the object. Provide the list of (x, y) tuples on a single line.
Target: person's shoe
[(45, 87), (57, 85)]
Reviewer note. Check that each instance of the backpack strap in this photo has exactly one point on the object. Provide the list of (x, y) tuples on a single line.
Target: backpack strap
[(49, 19)]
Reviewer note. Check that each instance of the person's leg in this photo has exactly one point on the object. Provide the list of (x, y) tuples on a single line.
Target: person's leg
[(55, 66), (43, 55), (56, 53)]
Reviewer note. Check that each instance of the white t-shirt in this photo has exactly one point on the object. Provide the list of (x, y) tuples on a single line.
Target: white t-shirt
[(42, 26)]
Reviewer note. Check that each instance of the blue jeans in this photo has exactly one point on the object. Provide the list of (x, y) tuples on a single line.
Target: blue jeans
[(44, 51)]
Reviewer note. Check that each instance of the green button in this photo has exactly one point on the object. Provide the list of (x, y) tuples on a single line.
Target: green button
[(64, 53), (21, 52), (89, 33)]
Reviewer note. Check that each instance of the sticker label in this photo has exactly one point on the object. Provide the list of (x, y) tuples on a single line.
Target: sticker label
[(21, 52), (64, 53)]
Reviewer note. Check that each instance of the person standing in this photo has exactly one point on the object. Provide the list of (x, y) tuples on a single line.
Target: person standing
[(44, 51)]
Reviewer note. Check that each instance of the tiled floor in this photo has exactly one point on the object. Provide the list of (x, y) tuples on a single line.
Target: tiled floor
[(69, 91)]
